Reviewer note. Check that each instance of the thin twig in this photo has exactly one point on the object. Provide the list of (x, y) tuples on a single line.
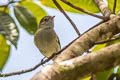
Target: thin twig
[(72, 23), (114, 6), (24, 71), (82, 10), (94, 26), (36, 66), (106, 41), (30, 69)]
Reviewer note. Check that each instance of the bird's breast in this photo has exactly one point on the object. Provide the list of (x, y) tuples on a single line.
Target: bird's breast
[(45, 40)]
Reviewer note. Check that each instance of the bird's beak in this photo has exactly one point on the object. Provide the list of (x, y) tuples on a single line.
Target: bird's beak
[(52, 17)]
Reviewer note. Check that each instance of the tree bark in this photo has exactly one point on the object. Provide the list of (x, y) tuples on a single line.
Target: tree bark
[(87, 40), (103, 8), (82, 66)]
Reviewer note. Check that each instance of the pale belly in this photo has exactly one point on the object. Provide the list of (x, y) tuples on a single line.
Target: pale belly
[(47, 43)]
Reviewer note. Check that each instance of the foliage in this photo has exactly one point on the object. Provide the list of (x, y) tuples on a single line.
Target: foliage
[(4, 51), (87, 5), (37, 11), (26, 18), (111, 3), (8, 28)]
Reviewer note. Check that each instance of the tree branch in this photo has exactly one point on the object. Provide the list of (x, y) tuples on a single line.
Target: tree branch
[(27, 70), (114, 7), (82, 66), (72, 23), (82, 10), (103, 8), (86, 41)]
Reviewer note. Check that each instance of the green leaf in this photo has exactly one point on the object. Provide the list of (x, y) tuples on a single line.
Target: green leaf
[(3, 9), (84, 4), (111, 4), (118, 70), (97, 47), (87, 78), (104, 75), (26, 18), (8, 28), (37, 11), (4, 51), (118, 73)]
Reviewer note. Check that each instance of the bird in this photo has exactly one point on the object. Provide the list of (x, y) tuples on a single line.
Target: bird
[(45, 37)]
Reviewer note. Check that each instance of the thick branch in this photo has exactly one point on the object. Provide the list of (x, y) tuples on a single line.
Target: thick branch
[(82, 66), (103, 8), (86, 41)]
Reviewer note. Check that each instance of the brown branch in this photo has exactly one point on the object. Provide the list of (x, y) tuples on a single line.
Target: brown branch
[(86, 41), (82, 66), (72, 23), (114, 7), (82, 10), (94, 26), (103, 8), (106, 41)]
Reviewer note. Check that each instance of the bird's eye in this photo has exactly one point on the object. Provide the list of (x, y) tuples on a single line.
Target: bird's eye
[(45, 19)]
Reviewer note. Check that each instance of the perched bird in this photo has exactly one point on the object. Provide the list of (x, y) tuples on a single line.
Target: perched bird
[(46, 38)]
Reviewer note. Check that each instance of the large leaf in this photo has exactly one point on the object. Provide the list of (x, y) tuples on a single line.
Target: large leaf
[(84, 4), (8, 28), (4, 51), (4, 9), (37, 11), (26, 18), (111, 4)]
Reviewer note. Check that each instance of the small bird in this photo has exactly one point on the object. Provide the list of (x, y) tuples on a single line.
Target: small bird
[(46, 38)]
